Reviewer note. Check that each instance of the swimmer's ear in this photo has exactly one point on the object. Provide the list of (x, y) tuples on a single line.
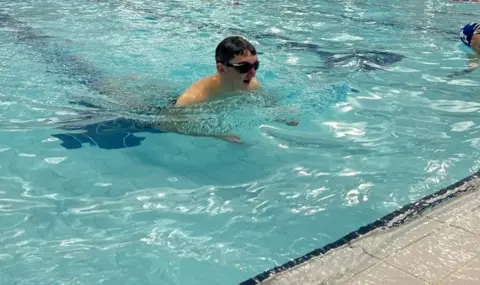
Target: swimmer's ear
[(220, 68)]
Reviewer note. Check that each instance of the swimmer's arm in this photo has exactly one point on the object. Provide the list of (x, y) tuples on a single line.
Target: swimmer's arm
[(474, 61), (473, 64), (274, 103), (172, 127), (184, 127), (280, 109)]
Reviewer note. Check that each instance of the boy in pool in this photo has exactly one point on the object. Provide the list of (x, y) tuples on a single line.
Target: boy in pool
[(236, 64)]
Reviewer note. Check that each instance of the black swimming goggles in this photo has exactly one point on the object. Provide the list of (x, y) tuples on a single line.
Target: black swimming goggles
[(244, 67)]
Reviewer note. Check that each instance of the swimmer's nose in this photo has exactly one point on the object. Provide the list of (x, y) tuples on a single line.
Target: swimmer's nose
[(251, 72)]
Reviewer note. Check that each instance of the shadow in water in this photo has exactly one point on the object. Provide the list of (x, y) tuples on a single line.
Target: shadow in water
[(110, 134), (107, 134), (365, 60)]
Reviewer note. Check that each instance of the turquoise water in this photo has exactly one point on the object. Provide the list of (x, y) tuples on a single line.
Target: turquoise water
[(184, 210)]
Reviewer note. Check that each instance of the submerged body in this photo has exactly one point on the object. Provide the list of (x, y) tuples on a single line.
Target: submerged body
[(236, 66)]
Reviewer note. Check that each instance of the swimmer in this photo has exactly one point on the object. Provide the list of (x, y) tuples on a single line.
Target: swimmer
[(236, 66), (470, 36)]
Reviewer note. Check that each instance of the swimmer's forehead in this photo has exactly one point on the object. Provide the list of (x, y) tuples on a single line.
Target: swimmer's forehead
[(246, 56)]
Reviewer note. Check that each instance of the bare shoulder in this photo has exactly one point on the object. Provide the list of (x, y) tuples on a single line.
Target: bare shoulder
[(255, 84), (198, 92)]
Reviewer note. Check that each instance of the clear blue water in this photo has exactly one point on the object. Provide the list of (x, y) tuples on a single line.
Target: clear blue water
[(172, 209)]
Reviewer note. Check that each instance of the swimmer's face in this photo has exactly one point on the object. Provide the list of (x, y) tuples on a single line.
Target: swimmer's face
[(241, 68)]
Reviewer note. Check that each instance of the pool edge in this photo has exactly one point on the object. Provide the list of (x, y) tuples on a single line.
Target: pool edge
[(394, 219)]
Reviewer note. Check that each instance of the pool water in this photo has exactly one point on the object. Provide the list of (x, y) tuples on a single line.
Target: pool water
[(111, 202)]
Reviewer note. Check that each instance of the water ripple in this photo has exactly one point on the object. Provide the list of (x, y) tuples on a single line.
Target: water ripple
[(182, 210)]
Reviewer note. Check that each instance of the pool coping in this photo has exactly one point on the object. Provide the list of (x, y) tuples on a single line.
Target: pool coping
[(395, 219)]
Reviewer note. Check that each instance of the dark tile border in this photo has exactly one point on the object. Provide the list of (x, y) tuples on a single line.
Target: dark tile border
[(394, 219)]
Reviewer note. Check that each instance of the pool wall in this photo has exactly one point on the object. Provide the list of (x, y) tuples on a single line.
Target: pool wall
[(403, 216)]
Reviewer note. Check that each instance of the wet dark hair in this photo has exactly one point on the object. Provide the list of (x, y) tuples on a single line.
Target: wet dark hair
[(231, 46)]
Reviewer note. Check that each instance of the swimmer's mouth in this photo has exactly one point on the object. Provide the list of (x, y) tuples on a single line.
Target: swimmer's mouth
[(247, 81)]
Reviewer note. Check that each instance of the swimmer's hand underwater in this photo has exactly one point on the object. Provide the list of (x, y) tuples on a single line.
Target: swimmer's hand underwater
[(473, 64), (229, 138)]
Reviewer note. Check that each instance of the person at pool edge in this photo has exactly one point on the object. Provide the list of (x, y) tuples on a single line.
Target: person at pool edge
[(236, 66)]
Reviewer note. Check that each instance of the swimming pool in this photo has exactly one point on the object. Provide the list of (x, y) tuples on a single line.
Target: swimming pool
[(379, 128)]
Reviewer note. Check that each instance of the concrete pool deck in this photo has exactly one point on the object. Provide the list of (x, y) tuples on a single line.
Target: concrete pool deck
[(432, 241)]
